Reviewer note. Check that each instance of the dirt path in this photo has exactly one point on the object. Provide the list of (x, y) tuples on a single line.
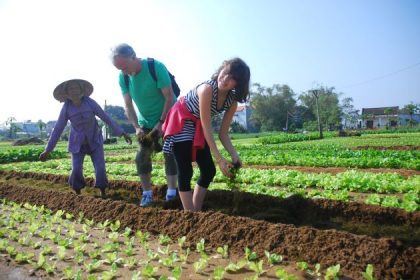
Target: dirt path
[(9, 271)]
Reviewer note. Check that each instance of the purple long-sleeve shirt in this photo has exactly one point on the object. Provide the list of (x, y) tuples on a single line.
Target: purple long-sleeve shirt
[(84, 126)]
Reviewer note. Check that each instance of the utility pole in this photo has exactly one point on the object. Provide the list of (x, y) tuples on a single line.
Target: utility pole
[(287, 120), (316, 93)]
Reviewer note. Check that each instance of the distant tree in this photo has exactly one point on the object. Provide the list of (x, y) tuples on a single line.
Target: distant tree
[(117, 113), (236, 127), (310, 125), (41, 126), (329, 105), (388, 112), (411, 109), (12, 126), (367, 118), (271, 106), (302, 114), (349, 114), (216, 122)]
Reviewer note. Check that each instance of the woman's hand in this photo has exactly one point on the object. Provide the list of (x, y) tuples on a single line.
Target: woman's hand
[(43, 156), (225, 167), (127, 138)]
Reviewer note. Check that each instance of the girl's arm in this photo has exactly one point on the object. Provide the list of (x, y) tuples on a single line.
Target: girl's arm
[(224, 133), (205, 93)]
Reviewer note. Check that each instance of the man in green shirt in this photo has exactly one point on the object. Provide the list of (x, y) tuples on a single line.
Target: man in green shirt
[(153, 99)]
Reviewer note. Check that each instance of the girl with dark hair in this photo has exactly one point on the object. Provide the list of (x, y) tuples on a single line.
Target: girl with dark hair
[(188, 132)]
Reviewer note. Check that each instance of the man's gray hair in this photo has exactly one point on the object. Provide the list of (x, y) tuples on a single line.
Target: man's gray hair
[(123, 50)]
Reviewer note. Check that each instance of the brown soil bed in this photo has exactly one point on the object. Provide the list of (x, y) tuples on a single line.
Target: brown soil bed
[(318, 231)]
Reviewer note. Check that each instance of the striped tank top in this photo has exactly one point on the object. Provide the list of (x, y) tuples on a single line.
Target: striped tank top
[(191, 99)]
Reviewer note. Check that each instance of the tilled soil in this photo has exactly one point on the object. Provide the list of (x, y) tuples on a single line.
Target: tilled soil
[(316, 231)]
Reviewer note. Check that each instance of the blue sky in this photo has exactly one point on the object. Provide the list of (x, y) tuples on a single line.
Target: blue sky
[(368, 50)]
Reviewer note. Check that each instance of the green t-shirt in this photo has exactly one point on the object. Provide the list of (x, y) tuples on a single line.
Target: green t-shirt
[(146, 92)]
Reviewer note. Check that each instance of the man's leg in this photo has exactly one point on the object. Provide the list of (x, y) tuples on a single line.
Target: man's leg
[(146, 182), (144, 170)]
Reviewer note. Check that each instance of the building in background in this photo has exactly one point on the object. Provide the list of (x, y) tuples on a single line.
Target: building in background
[(407, 120), (242, 117), (380, 117)]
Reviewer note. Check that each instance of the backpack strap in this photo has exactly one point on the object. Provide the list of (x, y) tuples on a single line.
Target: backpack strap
[(127, 82), (151, 64), (174, 85)]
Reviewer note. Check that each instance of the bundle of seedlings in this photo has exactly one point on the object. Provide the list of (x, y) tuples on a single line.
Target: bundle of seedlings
[(151, 139)]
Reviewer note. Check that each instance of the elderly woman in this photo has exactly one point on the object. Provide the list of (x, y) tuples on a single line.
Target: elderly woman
[(85, 135)]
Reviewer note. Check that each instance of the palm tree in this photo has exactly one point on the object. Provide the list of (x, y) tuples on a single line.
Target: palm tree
[(41, 126), (368, 118), (411, 109), (12, 126), (388, 112)]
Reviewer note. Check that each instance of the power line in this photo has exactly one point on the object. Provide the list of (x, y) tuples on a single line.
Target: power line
[(383, 76)]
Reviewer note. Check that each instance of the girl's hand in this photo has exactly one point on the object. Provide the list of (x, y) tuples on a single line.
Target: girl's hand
[(127, 138), (237, 163), (225, 167), (43, 156)]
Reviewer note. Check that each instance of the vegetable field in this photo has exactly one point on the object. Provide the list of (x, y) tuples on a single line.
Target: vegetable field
[(337, 208)]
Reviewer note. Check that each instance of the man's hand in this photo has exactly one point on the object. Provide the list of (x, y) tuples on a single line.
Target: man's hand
[(139, 133), (157, 130)]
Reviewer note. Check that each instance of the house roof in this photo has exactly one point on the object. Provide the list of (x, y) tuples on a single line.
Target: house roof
[(380, 111)]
